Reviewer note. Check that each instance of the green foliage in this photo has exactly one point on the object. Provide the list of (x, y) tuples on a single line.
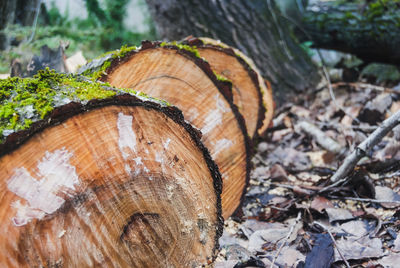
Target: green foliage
[(110, 21), (376, 16), (306, 46), (102, 31), (382, 72)]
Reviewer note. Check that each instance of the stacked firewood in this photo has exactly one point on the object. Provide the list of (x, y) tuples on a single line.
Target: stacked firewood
[(133, 162)]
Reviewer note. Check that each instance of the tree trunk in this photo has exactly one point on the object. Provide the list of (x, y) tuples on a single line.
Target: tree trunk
[(7, 15), (20, 12), (250, 92), (94, 177), (254, 27), (175, 74), (370, 31)]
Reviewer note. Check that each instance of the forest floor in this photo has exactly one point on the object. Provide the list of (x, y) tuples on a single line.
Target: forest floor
[(289, 219)]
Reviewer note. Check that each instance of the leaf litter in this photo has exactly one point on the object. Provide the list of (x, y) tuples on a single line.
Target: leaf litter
[(292, 166)]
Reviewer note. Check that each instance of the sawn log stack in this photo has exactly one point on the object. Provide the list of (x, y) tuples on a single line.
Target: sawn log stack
[(134, 162)]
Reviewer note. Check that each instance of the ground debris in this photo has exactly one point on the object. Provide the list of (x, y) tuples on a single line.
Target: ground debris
[(291, 175)]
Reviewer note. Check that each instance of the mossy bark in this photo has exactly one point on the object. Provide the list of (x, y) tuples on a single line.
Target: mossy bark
[(28, 103), (371, 31), (254, 27)]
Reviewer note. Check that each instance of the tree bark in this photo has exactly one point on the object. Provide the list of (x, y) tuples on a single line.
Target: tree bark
[(108, 179), (20, 12), (254, 27), (175, 74), (7, 15), (372, 34)]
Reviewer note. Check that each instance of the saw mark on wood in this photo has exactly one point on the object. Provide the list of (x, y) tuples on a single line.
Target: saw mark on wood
[(127, 138), (214, 117), (57, 176), (221, 145)]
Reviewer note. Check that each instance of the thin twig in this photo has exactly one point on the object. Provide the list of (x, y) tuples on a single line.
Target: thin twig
[(354, 127), (365, 199), (365, 147), (366, 86), (340, 107), (334, 242), (332, 185), (286, 239)]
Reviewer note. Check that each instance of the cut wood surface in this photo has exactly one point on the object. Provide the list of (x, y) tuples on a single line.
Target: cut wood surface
[(175, 74), (245, 85), (251, 94), (113, 181)]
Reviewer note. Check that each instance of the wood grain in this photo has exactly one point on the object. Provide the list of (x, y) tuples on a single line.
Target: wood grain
[(263, 85), (168, 74), (117, 186), (246, 93)]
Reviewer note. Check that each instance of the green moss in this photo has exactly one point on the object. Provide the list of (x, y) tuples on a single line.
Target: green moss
[(24, 101), (119, 53), (192, 49), (100, 72), (222, 78), (115, 54)]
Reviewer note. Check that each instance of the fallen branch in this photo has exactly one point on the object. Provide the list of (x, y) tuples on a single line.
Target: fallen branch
[(320, 137), (366, 146), (333, 185), (354, 127), (365, 199), (359, 85)]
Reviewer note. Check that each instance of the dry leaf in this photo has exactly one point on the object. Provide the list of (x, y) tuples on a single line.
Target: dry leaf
[(338, 214), (359, 248), (320, 203), (385, 193)]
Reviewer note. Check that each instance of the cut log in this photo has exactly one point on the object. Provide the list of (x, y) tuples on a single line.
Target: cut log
[(250, 92), (174, 73), (94, 177)]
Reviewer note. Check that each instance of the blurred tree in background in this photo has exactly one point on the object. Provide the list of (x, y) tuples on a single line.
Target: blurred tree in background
[(27, 25)]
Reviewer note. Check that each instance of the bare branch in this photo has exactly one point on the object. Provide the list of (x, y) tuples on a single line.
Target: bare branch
[(365, 147), (322, 139), (366, 199)]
